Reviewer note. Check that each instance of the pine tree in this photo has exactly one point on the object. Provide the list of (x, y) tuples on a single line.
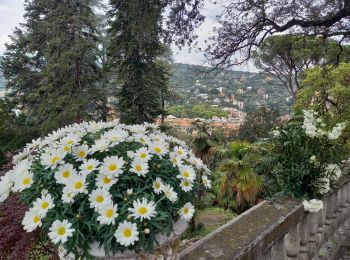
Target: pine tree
[(52, 64), (68, 90), (135, 51)]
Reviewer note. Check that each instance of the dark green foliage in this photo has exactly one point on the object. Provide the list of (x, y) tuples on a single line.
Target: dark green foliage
[(15, 129), (135, 50), (288, 164), (51, 65), (258, 124)]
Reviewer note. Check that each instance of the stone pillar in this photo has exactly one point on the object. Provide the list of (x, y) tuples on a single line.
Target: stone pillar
[(292, 243)]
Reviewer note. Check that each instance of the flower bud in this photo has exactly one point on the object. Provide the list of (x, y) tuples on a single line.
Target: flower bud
[(129, 191), (146, 231)]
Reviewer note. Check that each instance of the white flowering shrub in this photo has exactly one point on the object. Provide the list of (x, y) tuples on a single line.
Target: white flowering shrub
[(110, 183), (305, 158)]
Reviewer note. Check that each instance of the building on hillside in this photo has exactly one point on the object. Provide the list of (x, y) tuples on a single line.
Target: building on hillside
[(261, 91), (240, 91), (217, 101), (240, 105), (249, 89)]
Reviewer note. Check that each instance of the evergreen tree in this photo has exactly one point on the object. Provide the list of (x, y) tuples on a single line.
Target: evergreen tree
[(135, 49), (68, 90), (52, 64)]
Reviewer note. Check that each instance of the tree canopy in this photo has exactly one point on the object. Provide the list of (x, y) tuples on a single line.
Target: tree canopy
[(244, 25), (287, 56)]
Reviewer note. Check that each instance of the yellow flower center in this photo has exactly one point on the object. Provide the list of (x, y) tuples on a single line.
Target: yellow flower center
[(61, 231), (138, 168), (70, 142), (26, 181), (106, 180), (142, 210), (186, 174), (186, 210), (78, 185), (44, 205), (157, 185), (112, 167), (157, 149), (143, 155), (89, 167), (36, 219), (174, 160), (179, 152), (66, 148), (142, 140), (109, 213), (127, 232), (82, 154), (54, 159), (99, 199), (186, 183), (66, 174)]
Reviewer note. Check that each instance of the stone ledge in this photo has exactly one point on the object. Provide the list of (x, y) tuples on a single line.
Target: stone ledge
[(249, 235)]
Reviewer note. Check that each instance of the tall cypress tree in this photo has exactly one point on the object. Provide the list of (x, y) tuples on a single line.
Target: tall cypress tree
[(57, 51), (134, 51)]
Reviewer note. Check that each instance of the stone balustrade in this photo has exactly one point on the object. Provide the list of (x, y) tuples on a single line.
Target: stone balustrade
[(281, 230)]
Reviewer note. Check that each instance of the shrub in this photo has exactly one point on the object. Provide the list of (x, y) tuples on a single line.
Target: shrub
[(109, 183), (304, 160)]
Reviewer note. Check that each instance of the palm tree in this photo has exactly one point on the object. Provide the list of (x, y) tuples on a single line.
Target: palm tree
[(238, 183), (204, 140)]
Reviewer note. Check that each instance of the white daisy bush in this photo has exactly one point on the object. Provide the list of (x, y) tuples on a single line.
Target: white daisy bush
[(110, 183)]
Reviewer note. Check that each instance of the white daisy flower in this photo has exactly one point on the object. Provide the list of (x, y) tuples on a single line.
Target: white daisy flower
[(175, 159), (140, 138), (138, 129), (44, 204), (6, 183), (65, 173), (180, 151), (187, 211), (35, 144), (89, 166), (53, 158), (142, 154), (60, 231), (206, 182), (116, 136), (112, 165), (159, 148), (100, 145), (186, 185), (143, 209), (80, 152), (169, 192), (31, 220), (22, 181), (70, 140), (126, 233), (77, 184), (22, 167), (139, 167), (108, 213), (157, 186), (187, 172), (26, 153), (99, 198), (67, 196), (104, 181)]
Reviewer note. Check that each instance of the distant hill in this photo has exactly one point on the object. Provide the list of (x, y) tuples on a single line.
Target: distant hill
[(249, 90), (243, 90)]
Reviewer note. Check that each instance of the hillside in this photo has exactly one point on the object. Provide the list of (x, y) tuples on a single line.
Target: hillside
[(243, 90)]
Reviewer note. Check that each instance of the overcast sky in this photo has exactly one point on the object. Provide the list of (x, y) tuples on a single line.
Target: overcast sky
[(11, 14)]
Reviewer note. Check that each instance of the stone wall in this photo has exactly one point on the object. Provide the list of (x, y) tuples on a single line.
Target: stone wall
[(281, 230)]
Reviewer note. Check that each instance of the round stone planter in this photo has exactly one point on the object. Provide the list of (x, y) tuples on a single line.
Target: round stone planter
[(167, 249)]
